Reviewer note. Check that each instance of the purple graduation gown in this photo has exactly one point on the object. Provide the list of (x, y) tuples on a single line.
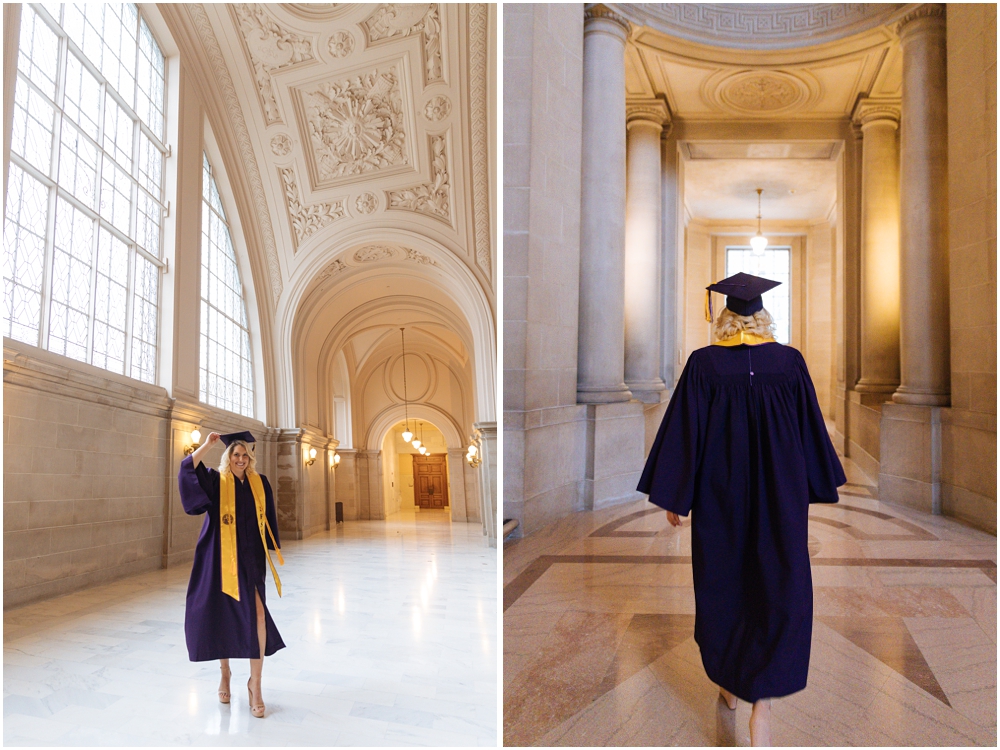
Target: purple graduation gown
[(216, 625), (747, 454)]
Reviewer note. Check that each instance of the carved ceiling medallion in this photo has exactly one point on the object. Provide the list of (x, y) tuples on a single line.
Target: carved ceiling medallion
[(762, 93), (355, 126), (398, 20), (373, 253), (281, 145), (437, 108), (366, 203), (341, 44), (269, 47)]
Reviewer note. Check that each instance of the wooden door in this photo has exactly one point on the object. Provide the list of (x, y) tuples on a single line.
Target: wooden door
[(430, 482)]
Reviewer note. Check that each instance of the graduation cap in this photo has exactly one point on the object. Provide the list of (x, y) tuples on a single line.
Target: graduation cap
[(232, 437), (743, 293)]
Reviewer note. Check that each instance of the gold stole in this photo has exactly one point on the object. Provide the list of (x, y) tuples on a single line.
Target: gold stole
[(227, 531), (750, 339)]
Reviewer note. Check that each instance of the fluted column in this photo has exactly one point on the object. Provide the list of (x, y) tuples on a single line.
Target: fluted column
[(879, 121), (643, 204), (601, 353), (924, 315)]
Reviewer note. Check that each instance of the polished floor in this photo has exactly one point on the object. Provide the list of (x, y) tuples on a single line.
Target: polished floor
[(391, 639), (599, 619)]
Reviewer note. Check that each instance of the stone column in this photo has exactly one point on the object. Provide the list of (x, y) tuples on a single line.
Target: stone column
[(11, 36), (290, 485), (456, 484), (601, 353), (879, 121), (924, 315), (488, 478), (669, 264), (346, 482), (368, 481), (644, 122)]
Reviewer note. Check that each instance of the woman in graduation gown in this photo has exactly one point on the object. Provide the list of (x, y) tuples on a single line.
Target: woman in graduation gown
[(226, 616), (744, 446)]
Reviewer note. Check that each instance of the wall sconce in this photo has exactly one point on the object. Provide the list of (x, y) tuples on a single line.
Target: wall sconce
[(334, 460), (195, 442), (473, 456), (312, 457)]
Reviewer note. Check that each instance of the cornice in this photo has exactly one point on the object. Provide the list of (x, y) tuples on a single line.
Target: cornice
[(868, 111), (647, 110), (600, 12), (915, 12)]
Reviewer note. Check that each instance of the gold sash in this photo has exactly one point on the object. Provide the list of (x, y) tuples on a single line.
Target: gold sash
[(227, 531), (750, 339)]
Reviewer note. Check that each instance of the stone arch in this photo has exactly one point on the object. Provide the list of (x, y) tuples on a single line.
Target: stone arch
[(384, 421)]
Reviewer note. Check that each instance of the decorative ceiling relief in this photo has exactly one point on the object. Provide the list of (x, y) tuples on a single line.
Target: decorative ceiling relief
[(398, 20), (341, 44), (437, 108), (479, 111), (269, 47), (761, 92), (307, 220), (281, 145), (431, 198), (418, 257), (354, 126), (366, 203), (199, 17), (373, 253), (332, 269)]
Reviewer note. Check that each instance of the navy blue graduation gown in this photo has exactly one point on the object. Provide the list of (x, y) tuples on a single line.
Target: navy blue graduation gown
[(217, 626), (747, 454)]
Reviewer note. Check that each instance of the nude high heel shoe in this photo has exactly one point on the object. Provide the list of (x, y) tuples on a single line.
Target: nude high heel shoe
[(258, 710), (224, 694)]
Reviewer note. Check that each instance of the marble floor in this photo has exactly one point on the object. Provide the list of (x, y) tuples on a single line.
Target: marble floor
[(599, 619), (391, 638)]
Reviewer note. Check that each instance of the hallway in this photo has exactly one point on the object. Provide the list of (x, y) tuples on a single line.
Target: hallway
[(391, 639), (599, 620)]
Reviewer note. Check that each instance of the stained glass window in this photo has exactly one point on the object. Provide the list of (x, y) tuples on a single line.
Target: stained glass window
[(774, 264), (82, 255), (225, 362)]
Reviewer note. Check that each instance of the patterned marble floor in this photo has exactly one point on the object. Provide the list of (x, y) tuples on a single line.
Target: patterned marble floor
[(599, 621), (391, 639)]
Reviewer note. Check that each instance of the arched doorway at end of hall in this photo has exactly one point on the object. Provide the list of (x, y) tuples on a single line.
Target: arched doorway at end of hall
[(412, 481)]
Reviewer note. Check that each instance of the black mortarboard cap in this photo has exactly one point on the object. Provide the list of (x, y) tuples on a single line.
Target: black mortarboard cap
[(743, 292), (234, 436)]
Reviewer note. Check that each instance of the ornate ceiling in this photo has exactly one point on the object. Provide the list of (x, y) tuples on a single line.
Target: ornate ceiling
[(353, 119)]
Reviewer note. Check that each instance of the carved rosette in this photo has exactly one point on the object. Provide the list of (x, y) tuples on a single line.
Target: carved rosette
[(430, 198), (281, 145), (437, 108), (307, 220), (354, 126), (882, 111), (366, 203), (761, 93), (268, 47), (398, 20), (340, 44)]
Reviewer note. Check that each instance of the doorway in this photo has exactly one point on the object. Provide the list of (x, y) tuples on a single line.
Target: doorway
[(430, 482), (415, 471)]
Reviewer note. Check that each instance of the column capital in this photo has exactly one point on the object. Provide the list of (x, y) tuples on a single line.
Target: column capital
[(869, 111), (596, 13), (649, 110), (917, 12)]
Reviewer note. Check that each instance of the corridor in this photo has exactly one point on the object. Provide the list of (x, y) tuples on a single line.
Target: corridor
[(599, 621), (391, 639)]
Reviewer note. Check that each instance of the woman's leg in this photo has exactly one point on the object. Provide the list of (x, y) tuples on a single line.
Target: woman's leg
[(224, 681), (760, 723), (728, 697), (257, 665)]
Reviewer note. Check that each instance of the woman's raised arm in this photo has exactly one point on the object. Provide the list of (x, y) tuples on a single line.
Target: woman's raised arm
[(212, 439)]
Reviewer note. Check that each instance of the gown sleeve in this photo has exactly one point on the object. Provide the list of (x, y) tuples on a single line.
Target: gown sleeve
[(199, 487), (670, 476), (823, 467), (271, 511)]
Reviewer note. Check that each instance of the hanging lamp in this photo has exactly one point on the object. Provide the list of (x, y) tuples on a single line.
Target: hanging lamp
[(758, 242), (417, 443), (423, 448), (407, 435)]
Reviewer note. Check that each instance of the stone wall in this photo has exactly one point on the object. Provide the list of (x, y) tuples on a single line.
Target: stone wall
[(968, 429), (543, 95), (84, 470)]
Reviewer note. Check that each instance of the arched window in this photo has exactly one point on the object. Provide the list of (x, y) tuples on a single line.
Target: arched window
[(82, 256), (226, 366)]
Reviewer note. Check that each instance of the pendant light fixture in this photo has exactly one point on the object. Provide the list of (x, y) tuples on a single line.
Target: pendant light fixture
[(416, 442), (407, 435), (423, 448), (758, 242)]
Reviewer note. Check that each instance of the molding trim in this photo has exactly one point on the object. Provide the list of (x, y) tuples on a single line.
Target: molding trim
[(600, 11), (868, 111), (915, 13), (647, 110), (479, 106)]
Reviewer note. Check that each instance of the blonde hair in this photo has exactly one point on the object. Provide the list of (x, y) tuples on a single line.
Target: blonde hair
[(729, 324), (224, 467)]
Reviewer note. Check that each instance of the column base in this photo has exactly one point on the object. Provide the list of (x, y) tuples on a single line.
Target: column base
[(910, 457), (917, 397), (874, 386), (647, 391), (615, 454), (603, 394)]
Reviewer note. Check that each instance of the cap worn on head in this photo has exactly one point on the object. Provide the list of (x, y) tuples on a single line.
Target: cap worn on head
[(743, 292), (234, 436)]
